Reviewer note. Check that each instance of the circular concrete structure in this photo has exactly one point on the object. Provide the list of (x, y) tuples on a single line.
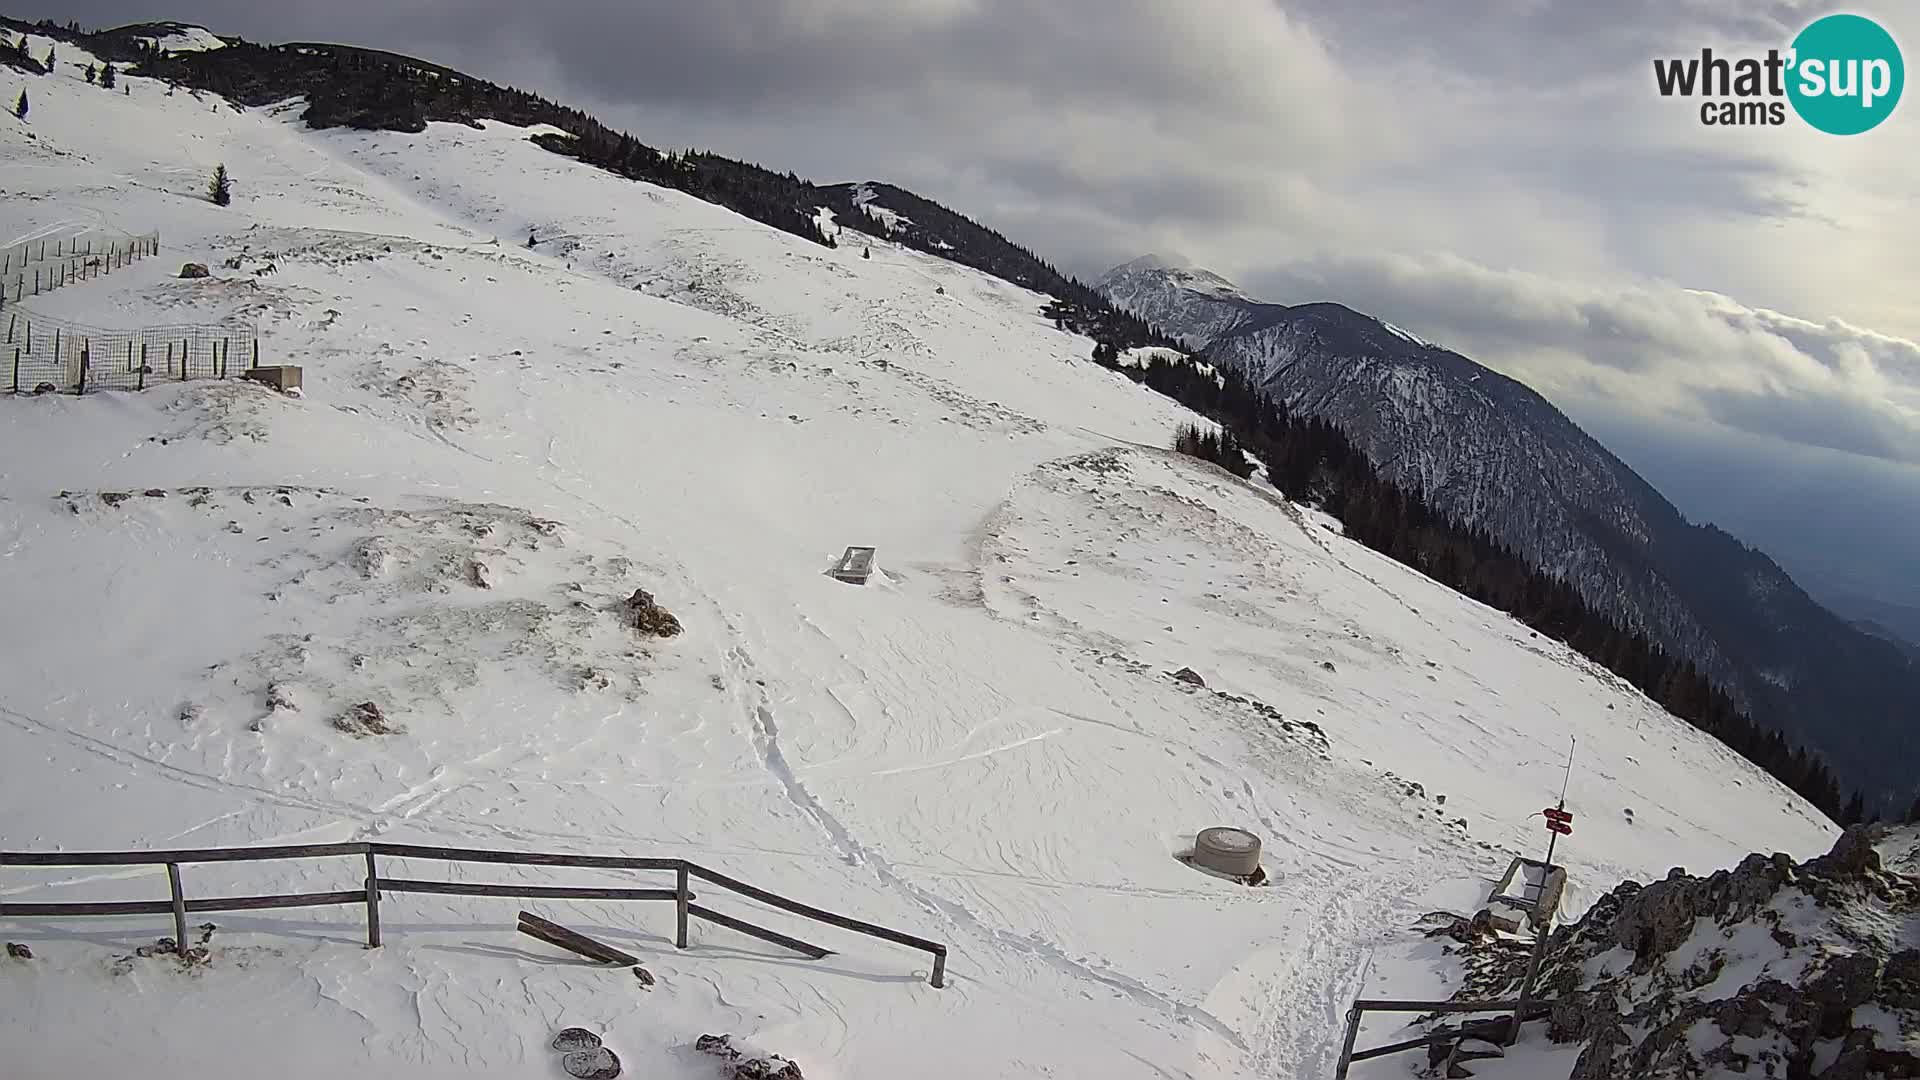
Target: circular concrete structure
[(1227, 851)]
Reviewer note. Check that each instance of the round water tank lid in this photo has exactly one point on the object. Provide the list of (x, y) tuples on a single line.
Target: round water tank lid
[(1226, 838)]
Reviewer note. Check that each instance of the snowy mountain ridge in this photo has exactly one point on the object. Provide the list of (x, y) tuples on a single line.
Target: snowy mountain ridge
[(1194, 305), (1492, 454), (500, 443)]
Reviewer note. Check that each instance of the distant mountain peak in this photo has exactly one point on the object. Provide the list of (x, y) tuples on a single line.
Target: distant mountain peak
[(1191, 302)]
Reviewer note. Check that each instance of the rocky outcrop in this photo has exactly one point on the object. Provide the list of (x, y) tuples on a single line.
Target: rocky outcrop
[(1803, 971), (648, 617), (1829, 983), (1190, 677), (743, 1064)]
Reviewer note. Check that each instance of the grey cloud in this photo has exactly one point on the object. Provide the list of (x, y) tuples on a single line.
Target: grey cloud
[(1829, 385), (1432, 148)]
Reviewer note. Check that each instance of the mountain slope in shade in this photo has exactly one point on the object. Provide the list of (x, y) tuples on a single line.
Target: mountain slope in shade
[(1193, 305), (1493, 454)]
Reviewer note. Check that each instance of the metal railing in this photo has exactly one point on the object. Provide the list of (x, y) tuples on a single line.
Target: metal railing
[(1349, 1056), (375, 885)]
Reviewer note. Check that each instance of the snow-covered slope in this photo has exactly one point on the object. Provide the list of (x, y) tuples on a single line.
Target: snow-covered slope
[(176, 37), (1496, 456), (498, 443)]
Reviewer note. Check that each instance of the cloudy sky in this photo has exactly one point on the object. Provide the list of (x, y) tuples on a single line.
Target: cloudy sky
[(1732, 310)]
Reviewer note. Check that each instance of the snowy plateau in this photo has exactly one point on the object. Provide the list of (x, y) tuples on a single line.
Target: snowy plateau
[(984, 745)]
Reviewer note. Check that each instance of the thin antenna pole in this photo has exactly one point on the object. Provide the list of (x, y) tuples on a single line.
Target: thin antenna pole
[(1572, 745), (1553, 836)]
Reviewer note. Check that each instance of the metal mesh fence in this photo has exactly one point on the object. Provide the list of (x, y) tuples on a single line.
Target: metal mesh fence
[(41, 266), (42, 355)]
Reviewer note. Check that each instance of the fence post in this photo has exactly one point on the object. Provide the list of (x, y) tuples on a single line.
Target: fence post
[(183, 359), (1526, 983), (85, 358), (680, 905), (256, 352), (373, 902), (179, 909), (1346, 1049), (226, 354), (16, 369), (939, 979), (143, 366)]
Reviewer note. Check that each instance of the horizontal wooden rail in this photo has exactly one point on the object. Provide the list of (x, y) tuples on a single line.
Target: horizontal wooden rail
[(161, 858), (532, 892), (554, 934), (1390, 1005), (817, 914), (375, 885), (811, 951), (520, 858), (215, 903), (1348, 1055)]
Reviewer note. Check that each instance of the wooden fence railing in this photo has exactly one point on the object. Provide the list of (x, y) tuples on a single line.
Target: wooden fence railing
[(375, 885)]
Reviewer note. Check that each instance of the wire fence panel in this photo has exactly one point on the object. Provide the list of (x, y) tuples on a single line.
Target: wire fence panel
[(41, 266), (42, 355)]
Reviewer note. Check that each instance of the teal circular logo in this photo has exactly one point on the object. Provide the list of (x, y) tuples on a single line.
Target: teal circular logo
[(1846, 74)]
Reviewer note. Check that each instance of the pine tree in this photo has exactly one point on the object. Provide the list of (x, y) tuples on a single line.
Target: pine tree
[(50, 55), (220, 188), (20, 107), (107, 77), (1856, 811)]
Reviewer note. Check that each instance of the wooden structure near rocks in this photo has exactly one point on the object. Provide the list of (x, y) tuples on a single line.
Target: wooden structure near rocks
[(1533, 887), (376, 885)]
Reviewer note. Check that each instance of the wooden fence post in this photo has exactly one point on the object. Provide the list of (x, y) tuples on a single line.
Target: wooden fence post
[(939, 977), (1346, 1048), (373, 902), (183, 359), (256, 352), (16, 369), (680, 904), (143, 366), (226, 353), (179, 909), (85, 358)]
